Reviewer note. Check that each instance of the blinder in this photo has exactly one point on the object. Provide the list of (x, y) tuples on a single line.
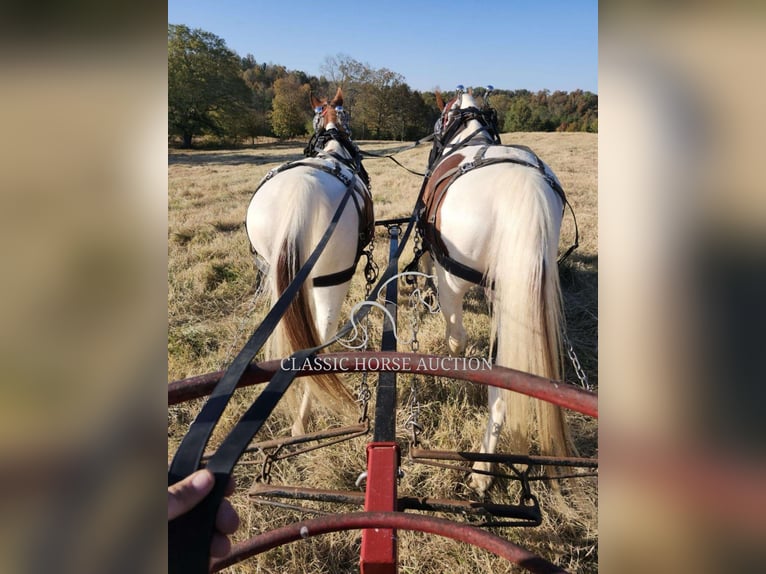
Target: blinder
[(343, 118)]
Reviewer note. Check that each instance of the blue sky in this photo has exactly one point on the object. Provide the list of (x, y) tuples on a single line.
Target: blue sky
[(512, 44)]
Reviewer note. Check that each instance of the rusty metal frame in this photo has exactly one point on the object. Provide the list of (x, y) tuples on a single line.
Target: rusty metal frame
[(527, 515), (272, 450), (561, 394), (564, 395), (393, 521)]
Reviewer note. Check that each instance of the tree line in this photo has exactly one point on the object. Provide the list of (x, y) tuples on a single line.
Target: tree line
[(212, 91)]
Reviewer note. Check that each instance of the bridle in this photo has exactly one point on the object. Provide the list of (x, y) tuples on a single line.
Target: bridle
[(320, 113), (454, 118), (342, 134)]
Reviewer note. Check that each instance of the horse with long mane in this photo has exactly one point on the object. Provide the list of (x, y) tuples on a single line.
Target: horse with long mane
[(288, 214), (492, 215)]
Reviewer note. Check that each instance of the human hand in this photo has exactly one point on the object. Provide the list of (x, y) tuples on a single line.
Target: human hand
[(189, 492)]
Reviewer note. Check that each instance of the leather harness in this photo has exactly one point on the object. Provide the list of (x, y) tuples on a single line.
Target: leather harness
[(362, 199), (443, 176)]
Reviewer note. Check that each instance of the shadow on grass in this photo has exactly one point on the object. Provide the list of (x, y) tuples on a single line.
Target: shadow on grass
[(230, 158)]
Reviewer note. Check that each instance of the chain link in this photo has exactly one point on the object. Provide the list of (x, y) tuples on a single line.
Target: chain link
[(364, 394), (412, 423), (268, 463), (370, 268), (583, 378)]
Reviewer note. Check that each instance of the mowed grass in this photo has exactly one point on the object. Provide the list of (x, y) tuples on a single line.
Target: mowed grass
[(214, 305)]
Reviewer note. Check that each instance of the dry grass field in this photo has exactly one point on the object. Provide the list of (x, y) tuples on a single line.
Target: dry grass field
[(213, 307)]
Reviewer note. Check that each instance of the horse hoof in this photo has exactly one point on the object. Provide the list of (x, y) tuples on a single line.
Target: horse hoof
[(456, 346), (480, 483)]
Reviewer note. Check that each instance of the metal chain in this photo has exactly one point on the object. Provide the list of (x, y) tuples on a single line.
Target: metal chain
[(364, 394), (268, 462), (417, 242), (526, 490), (371, 270), (417, 253), (583, 378), (412, 423)]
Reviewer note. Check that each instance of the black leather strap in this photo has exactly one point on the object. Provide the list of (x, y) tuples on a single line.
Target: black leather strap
[(189, 535), (338, 278), (189, 453), (437, 247), (458, 269)]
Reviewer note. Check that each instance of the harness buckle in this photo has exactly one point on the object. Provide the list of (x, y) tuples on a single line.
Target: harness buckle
[(467, 166)]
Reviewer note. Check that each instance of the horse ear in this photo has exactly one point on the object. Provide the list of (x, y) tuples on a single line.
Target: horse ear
[(315, 103), (338, 99), (439, 101)]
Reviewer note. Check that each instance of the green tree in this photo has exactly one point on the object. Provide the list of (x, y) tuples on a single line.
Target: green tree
[(519, 116), (206, 92), (291, 110)]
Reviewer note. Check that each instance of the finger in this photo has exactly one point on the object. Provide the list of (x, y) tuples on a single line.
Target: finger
[(226, 519), (186, 494), (220, 546), (230, 486)]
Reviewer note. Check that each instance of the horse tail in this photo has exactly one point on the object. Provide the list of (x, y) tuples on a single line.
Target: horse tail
[(527, 310), (297, 329)]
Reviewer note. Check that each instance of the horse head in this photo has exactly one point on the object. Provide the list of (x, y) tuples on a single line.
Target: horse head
[(332, 134), (463, 121), (330, 115)]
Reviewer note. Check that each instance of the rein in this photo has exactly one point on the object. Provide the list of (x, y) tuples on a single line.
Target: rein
[(189, 535), (400, 150)]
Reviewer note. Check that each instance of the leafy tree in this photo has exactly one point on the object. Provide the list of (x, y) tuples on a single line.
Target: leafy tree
[(380, 104), (519, 117), (291, 111), (260, 79), (206, 92), (212, 90)]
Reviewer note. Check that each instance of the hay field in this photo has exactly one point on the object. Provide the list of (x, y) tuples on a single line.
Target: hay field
[(213, 308)]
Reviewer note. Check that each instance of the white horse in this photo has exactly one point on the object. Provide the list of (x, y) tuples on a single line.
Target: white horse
[(493, 216), (288, 214)]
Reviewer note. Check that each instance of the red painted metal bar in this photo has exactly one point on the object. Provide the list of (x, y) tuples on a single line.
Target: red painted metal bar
[(390, 520), (564, 395), (379, 548), (379, 545)]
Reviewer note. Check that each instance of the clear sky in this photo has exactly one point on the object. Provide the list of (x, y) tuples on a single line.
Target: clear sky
[(512, 44)]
